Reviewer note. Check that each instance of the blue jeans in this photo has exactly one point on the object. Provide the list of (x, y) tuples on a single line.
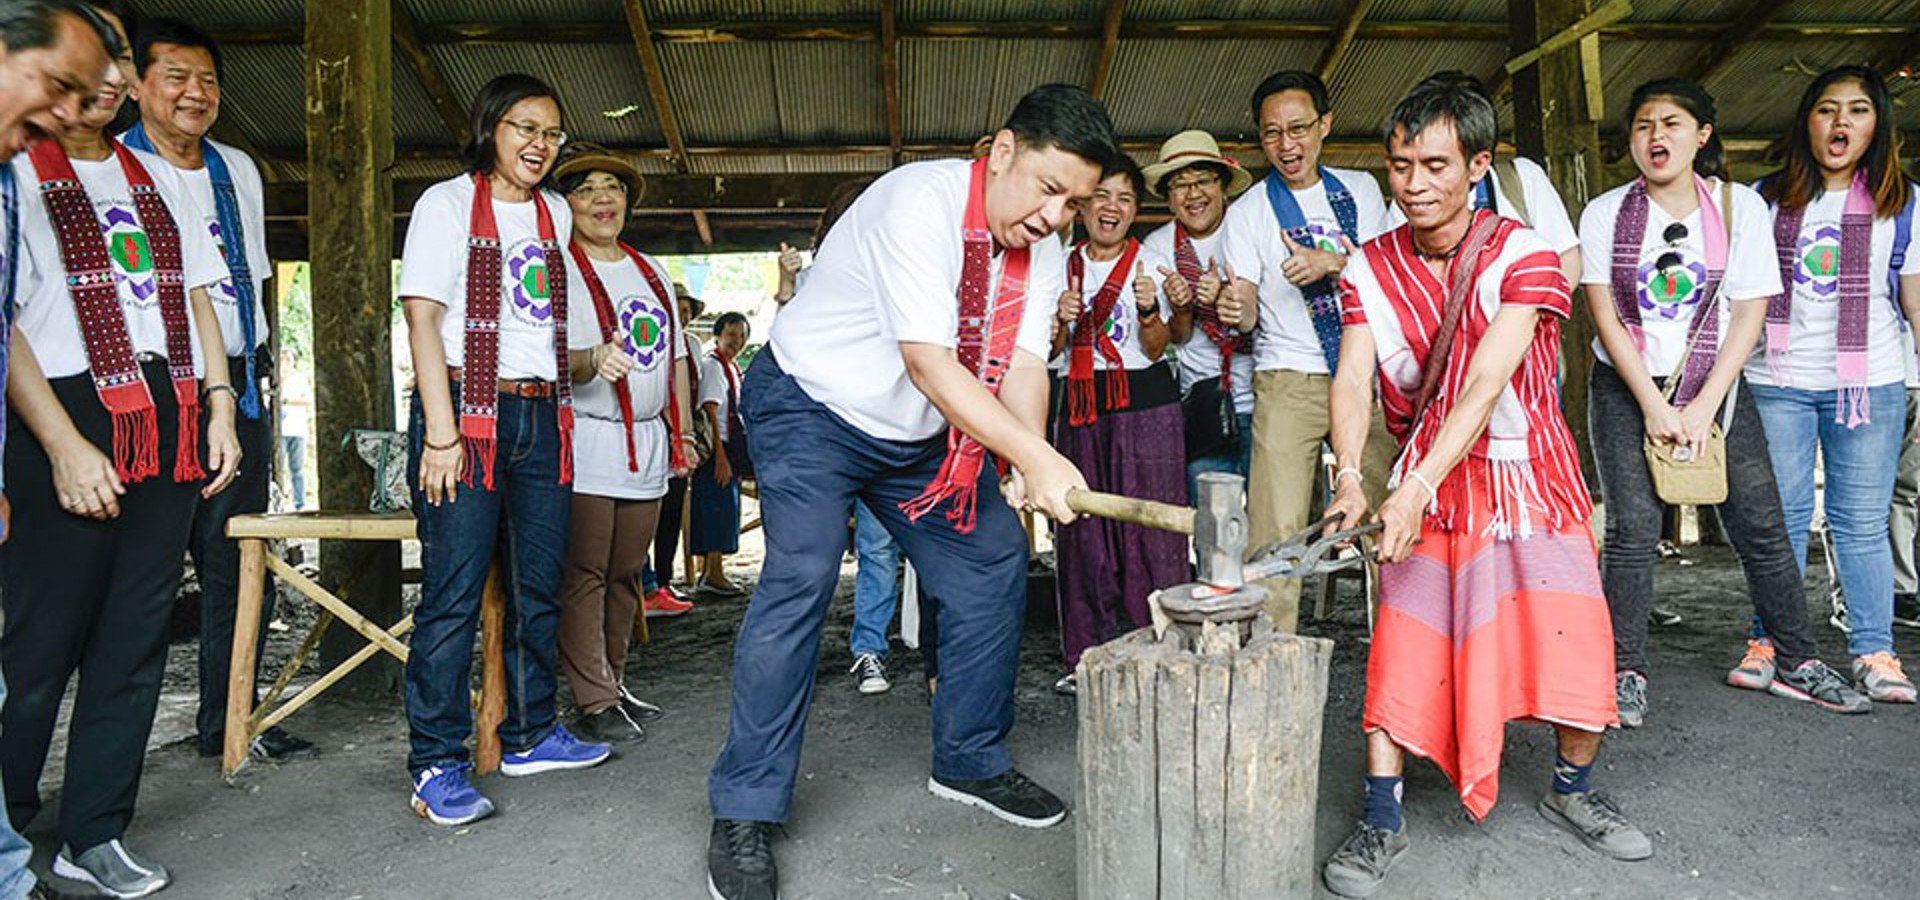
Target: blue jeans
[(15, 878), (812, 467), (1237, 464), (524, 520), (1860, 464), (876, 585)]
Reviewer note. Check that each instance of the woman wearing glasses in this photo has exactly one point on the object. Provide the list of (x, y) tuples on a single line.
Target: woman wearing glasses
[(1834, 365), (1677, 266), (483, 282)]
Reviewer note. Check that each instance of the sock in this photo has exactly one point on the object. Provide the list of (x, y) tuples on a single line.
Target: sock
[(1383, 802), (1569, 778)]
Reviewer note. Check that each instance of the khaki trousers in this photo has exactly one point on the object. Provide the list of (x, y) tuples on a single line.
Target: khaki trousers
[(1290, 420)]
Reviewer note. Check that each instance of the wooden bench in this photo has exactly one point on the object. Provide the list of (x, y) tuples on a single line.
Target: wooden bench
[(246, 720)]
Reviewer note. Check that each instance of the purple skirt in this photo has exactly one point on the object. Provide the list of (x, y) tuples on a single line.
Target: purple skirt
[(1106, 569)]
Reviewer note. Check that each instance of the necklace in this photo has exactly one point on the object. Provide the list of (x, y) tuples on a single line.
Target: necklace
[(1443, 257)]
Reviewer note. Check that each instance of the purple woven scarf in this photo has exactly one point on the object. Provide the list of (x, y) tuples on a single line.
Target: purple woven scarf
[(1629, 233), (1853, 267)]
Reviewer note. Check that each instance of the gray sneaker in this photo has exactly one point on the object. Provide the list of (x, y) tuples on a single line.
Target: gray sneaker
[(1630, 695), (111, 868), (1813, 682), (1361, 864), (1593, 818)]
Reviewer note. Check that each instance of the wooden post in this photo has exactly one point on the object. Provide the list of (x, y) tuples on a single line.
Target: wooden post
[(493, 674), (246, 644), (1200, 765), (349, 65), (1554, 126)]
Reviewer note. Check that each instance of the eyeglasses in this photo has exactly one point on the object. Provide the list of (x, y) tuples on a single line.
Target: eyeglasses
[(1295, 132), (616, 190), (1196, 183), (1673, 235), (529, 131)]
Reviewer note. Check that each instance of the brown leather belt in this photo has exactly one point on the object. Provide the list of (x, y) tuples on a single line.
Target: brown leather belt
[(530, 389)]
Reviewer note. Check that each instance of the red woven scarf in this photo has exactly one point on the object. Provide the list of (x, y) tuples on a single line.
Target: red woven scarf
[(1187, 262), (1089, 332), (480, 389), (988, 326), (610, 324), (103, 325)]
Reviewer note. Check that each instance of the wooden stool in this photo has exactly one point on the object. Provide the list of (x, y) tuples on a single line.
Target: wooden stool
[(245, 720)]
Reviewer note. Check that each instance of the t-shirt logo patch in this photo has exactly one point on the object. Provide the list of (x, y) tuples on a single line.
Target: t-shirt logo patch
[(1116, 327), (525, 273), (1668, 291), (1324, 237), (132, 254), (643, 322), (223, 292), (1817, 262)]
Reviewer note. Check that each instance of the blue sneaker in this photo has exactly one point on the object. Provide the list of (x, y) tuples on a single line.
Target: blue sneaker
[(444, 796), (559, 752)]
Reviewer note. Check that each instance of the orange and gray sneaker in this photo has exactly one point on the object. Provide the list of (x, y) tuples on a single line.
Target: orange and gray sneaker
[(1880, 678), (1756, 669), (662, 603)]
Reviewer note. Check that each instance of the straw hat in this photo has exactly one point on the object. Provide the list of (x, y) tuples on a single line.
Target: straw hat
[(583, 156), (1186, 149), (681, 292)]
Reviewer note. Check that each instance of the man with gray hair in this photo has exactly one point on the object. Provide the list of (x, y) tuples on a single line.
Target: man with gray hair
[(52, 56), (1490, 601)]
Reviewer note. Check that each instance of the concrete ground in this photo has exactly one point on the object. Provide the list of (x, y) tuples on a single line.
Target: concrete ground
[(1746, 796)]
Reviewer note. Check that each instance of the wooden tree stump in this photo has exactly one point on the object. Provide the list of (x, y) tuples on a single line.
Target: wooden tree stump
[(1200, 764)]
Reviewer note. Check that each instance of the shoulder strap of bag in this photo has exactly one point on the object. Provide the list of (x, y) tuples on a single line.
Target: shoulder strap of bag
[(1509, 175), (1726, 225), (1466, 267)]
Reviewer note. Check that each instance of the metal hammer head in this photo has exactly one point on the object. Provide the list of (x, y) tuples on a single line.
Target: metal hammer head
[(1220, 528)]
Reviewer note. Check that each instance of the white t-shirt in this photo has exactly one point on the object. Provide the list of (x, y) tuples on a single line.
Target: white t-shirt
[(1810, 359), (715, 389), (253, 220), (1284, 337), (599, 441), (1123, 325), (433, 266), (1668, 304), (890, 273), (1198, 358), (43, 305), (1546, 215)]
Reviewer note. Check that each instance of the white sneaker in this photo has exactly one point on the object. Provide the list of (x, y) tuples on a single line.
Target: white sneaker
[(112, 869), (870, 673)]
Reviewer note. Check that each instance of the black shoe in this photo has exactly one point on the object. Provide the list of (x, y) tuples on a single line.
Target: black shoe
[(1009, 795), (639, 710), (740, 861), (1664, 618), (609, 726), (1906, 610), (276, 745)]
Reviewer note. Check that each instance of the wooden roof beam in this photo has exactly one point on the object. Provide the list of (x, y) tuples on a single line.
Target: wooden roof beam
[(1721, 49), (1343, 38), (1109, 42), (406, 39), (1199, 29), (656, 83), (890, 76)]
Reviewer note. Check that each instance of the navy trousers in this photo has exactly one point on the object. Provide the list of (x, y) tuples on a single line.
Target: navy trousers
[(812, 466)]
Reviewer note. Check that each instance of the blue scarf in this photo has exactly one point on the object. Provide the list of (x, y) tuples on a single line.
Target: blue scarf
[(9, 269), (1323, 296), (1483, 197), (226, 207)]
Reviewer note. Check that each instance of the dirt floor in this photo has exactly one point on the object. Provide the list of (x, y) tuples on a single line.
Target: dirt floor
[(1746, 796)]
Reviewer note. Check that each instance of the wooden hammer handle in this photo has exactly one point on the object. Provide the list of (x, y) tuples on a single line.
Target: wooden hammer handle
[(1131, 510)]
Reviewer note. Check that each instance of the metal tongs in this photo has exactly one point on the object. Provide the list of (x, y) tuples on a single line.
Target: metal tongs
[(1314, 551)]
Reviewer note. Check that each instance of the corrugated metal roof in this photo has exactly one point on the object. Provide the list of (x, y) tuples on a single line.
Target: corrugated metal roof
[(1163, 86), (508, 12), (591, 79), (229, 16), (1760, 87), (701, 12), (1374, 75), (1306, 10), (1695, 10), (264, 94), (1429, 10), (1000, 10), (959, 90)]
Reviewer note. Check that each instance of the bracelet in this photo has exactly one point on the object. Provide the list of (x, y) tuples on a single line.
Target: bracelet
[(212, 389), (1415, 475), (1345, 471), (446, 446), (1147, 312)]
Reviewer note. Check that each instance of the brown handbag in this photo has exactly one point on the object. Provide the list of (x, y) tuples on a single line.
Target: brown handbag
[(1682, 477)]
